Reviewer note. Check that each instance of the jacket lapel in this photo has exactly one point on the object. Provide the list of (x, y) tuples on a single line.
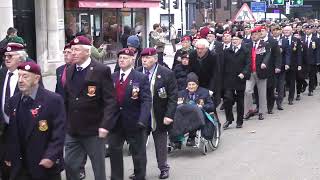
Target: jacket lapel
[(129, 86), (70, 72)]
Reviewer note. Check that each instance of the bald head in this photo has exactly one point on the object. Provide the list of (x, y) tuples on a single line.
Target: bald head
[(287, 31)]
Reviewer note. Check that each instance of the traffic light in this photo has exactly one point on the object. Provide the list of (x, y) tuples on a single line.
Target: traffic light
[(278, 2), (297, 2), (176, 4), (163, 4)]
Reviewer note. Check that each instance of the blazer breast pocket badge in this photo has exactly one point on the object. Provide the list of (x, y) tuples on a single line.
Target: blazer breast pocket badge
[(135, 91), (91, 91), (43, 125), (162, 92)]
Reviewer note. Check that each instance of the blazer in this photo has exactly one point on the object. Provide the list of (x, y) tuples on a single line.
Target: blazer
[(201, 96), (95, 105), (59, 87), (164, 107), (263, 57), (234, 64), (135, 110), (311, 54), (295, 52), (275, 59), (47, 142)]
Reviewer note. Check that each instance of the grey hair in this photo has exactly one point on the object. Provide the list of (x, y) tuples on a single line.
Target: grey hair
[(203, 42), (23, 55), (87, 47)]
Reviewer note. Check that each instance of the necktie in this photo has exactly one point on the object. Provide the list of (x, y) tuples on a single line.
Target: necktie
[(121, 79), (64, 76), (79, 69), (225, 47), (191, 96), (26, 100), (8, 92), (147, 72)]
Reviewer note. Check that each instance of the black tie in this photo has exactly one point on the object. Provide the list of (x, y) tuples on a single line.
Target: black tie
[(8, 92), (79, 69), (121, 79), (26, 101), (191, 96)]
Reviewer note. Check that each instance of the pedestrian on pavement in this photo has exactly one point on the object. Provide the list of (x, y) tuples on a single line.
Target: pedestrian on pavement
[(236, 71), (158, 40), (186, 47), (259, 53), (61, 71), (8, 87), (91, 110), (164, 91), (134, 117), (37, 119), (173, 36)]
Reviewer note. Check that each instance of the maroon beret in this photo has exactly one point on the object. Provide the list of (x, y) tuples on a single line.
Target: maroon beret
[(186, 38), (11, 47), (148, 52), (67, 46), (204, 32), (257, 29), (30, 66), (126, 51), (80, 40)]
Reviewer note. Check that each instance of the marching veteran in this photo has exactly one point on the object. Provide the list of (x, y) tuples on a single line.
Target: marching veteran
[(36, 129)]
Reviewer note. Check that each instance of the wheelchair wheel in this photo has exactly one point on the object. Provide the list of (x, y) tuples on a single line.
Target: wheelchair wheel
[(203, 147), (214, 143)]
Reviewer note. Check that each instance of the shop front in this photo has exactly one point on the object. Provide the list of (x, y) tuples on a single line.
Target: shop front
[(107, 21)]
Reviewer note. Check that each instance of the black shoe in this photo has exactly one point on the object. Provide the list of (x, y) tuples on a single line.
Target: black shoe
[(290, 102), (261, 117), (280, 107), (310, 93), (132, 176), (304, 87), (82, 174), (270, 111), (226, 125), (164, 175), (239, 126), (250, 114), (298, 97), (191, 142)]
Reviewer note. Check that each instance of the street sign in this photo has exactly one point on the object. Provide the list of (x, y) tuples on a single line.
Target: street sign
[(244, 14), (287, 7), (258, 6)]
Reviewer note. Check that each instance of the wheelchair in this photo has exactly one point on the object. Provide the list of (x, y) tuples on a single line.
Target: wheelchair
[(203, 142)]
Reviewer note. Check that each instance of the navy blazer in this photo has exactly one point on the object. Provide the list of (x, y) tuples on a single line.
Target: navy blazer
[(41, 143), (310, 54), (201, 94), (134, 110), (59, 86), (285, 52)]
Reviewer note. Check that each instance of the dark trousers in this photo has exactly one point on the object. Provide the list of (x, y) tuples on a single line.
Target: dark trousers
[(160, 57), (270, 92), (301, 83), (76, 148), (24, 175), (231, 96), (291, 76), (160, 143), (4, 169), (280, 86), (138, 151), (312, 77)]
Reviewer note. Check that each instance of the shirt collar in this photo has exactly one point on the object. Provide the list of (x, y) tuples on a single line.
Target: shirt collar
[(151, 70), (265, 39), (85, 64), (15, 72), (33, 94)]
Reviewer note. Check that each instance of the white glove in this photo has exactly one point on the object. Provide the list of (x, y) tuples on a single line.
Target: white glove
[(286, 67)]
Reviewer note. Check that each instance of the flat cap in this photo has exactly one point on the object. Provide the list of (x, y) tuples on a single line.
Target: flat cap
[(30, 66)]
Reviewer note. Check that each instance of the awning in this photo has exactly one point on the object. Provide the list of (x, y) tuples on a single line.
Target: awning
[(118, 4)]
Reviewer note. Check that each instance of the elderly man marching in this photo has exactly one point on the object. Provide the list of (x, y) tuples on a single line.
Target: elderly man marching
[(164, 94), (259, 53), (91, 108), (36, 129)]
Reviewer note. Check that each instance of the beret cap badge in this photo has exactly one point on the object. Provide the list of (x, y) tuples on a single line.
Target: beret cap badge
[(27, 67), (76, 40), (8, 48)]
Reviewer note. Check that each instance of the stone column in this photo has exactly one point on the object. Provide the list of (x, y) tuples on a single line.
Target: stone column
[(6, 10)]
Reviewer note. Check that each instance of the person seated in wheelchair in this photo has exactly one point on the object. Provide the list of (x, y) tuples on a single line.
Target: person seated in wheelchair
[(193, 94)]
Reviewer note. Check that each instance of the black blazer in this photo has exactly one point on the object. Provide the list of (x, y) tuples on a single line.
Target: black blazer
[(95, 106), (310, 54), (164, 107), (46, 143), (263, 57), (134, 110), (285, 52), (234, 64), (59, 88), (137, 62), (275, 59), (295, 53)]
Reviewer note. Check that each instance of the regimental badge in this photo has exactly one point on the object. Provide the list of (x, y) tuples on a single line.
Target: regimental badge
[(135, 91), (201, 102), (180, 100), (295, 46), (8, 49), (27, 67), (43, 125), (76, 40), (91, 91), (159, 76)]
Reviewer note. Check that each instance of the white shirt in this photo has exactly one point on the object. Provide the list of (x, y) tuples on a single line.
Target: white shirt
[(289, 39), (308, 38), (226, 46), (265, 39), (247, 36), (13, 85), (126, 74), (256, 45), (85, 64), (236, 48)]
